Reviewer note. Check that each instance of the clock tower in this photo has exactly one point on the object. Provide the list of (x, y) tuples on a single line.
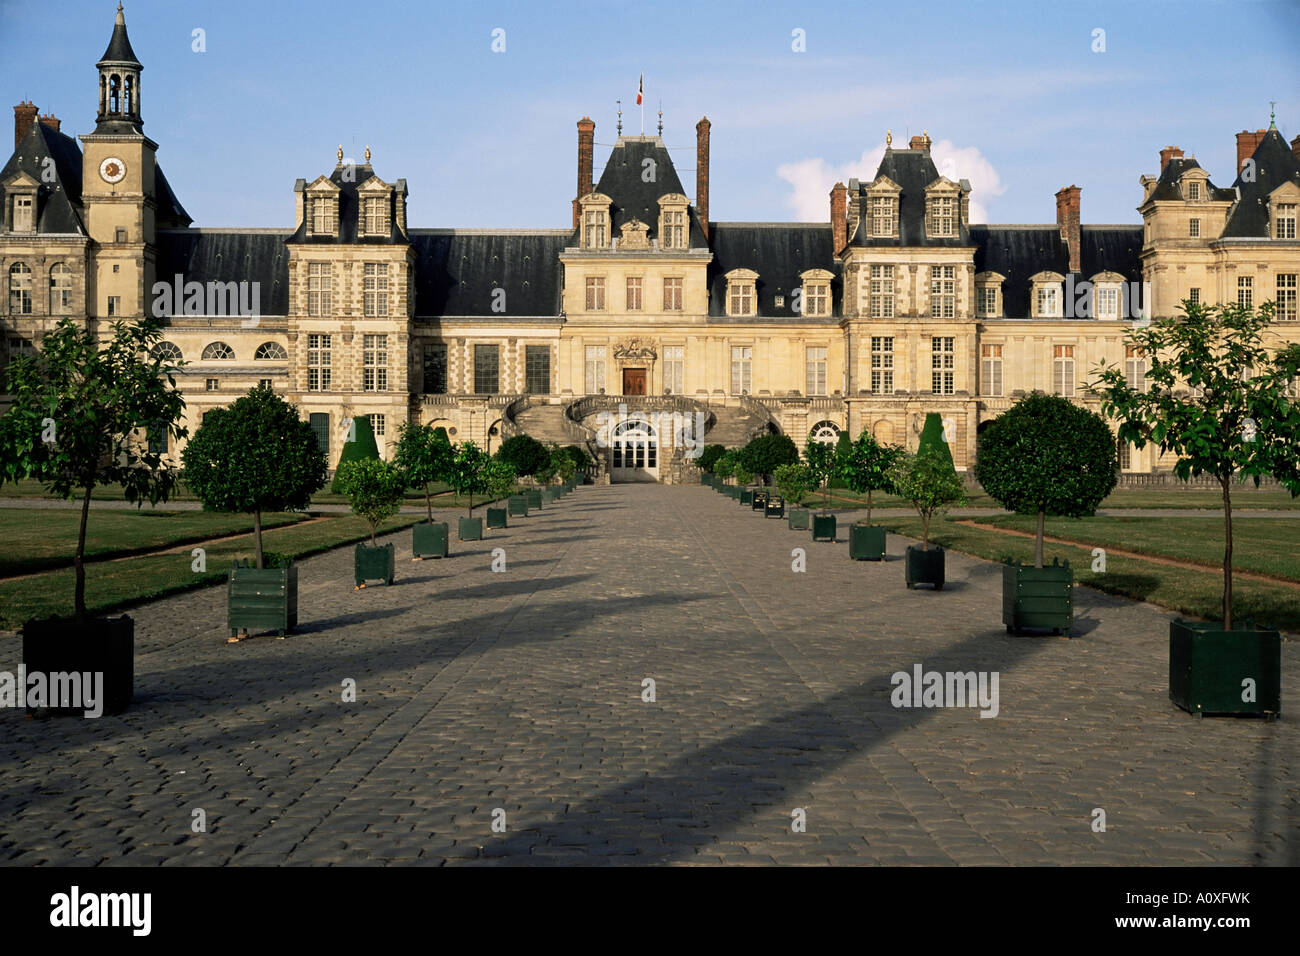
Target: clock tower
[(119, 189)]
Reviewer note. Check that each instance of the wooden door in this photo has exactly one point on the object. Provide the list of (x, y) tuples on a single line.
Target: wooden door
[(633, 381)]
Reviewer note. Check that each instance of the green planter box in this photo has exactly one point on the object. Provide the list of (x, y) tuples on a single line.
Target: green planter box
[(706, 477), (534, 498), (733, 492), (823, 527), (866, 543), (429, 540), (747, 496), (374, 564), (471, 529), (549, 495), (924, 567), (798, 519), (1038, 597), (775, 507), (261, 600), (759, 501), (518, 505), (97, 645), (1209, 668), (496, 517)]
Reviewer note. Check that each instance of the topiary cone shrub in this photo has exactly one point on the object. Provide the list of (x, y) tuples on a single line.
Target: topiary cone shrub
[(360, 445)]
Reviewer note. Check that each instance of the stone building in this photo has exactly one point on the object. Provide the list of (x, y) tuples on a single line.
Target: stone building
[(641, 326)]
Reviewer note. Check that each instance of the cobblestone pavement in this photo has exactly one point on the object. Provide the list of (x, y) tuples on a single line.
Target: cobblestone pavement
[(522, 692)]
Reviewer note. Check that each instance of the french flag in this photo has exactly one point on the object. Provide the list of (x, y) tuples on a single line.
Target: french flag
[(640, 88)]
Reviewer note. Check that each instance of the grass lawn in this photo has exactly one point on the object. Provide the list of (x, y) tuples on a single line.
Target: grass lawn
[(32, 541), (1245, 497), (1194, 592), (34, 489), (115, 584)]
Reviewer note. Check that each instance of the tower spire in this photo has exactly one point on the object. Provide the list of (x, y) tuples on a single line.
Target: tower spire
[(119, 83)]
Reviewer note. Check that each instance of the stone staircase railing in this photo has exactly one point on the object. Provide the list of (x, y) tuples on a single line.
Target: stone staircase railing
[(760, 410)]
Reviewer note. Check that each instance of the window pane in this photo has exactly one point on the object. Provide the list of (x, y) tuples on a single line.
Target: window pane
[(486, 378)]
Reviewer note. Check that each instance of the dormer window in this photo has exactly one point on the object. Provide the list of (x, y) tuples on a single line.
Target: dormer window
[(595, 222), (376, 216), (741, 294), (1194, 191), (20, 202), (988, 295), (943, 208), (816, 292), (1284, 221), (324, 217), (375, 200), (24, 214), (882, 209), (1047, 295), (672, 222)]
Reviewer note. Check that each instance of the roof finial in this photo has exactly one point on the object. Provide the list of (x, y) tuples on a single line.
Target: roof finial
[(661, 118), (1272, 114), (367, 154), (620, 116), (120, 18), (340, 154), (889, 138)]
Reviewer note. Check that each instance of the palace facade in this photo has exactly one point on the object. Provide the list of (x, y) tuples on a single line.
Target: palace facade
[(640, 313)]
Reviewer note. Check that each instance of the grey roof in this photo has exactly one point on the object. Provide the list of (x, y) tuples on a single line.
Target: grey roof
[(624, 182), (119, 45), (1168, 186), (1275, 164), (220, 255), (779, 253), (912, 170), (57, 203), (171, 214), (457, 272), (349, 178)]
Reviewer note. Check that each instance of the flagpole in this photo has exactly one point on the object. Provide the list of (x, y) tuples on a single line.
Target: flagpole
[(642, 99)]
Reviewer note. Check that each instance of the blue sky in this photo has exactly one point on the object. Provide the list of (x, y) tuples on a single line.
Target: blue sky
[(1012, 93)]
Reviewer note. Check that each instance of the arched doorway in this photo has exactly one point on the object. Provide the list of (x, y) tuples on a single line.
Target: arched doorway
[(634, 451), (826, 432)]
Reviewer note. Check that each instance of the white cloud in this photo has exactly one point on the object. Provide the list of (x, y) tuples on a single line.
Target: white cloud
[(811, 179)]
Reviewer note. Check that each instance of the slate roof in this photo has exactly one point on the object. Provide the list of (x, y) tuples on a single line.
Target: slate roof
[(171, 214), (119, 45), (779, 253), (57, 203), (349, 178), (1168, 186), (912, 170), (1275, 165), (457, 271), (632, 197), (229, 255)]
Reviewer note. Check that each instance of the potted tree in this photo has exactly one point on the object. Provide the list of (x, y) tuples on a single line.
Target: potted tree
[(724, 468), (820, 460), (78, 408), (743, 477), (709, 456), (424, 454), (374, 489), (1045, 456), (794, 482), (865, 468), (468, 477), (528, 457), (256, 455), (501, 481), (1223, 402), (929, 481), (360, 444)]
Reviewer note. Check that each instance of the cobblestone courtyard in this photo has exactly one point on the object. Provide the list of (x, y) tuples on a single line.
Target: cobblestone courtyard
[(522, 691)]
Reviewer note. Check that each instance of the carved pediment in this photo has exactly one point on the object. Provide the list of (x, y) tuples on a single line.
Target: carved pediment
[(635, 349), (634, 235)]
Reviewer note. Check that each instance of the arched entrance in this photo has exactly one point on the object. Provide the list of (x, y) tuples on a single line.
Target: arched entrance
[(826, 432), (634, 451)]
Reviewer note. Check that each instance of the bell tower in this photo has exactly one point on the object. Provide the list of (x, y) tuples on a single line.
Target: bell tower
[(118, 188)]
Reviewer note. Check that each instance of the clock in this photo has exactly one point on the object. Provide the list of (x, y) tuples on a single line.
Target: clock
[(112, 170)]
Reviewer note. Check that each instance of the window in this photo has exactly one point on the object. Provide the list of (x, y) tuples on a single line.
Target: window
[(374, 363), (1195, 296), (1135, 368), (376, 216), (816, 298), (156, 438), (218, 352), (943, 292), (882, 364), (213, 385), (595, 293), (1284, 224), (883, 212), (376, 289), (486, 370), (320, 426), (319, 287), (20, 289), (114, 305), (537, 369), (23, 220), (986, 301), (1125, 455), (18, 347), (323, 219), (1246, 292), (378, 425), (634, 293), (166, 352), (270, 351), (318, 364), (1286, 296), (882, 292), (1049, 301), (674, 229), (1106, 299), (594, 371), (673, 294), (674, 370), (816, 371), (121, 234), (1194, 191), (265, 383), (1063, 370), (740, 297), (941, 215), (943, 359), (742, 358), (594, 229), (60, 289), (824, 432), (435, 369), (991, 369), (1194, 228)]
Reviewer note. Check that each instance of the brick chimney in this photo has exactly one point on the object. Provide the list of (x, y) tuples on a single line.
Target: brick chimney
[(702, 173), (1295, 147), (586, 147), (50, 120), (839, 217), (1067, 217), (24, 116), (1168, 153), (1246, 144), (920, 142)]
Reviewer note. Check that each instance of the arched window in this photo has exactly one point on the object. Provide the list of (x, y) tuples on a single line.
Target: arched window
[(271, 350), (634, 447), (114, 93), (128, 99), (60, 289), (20, 289), (167, 351), (219, 351), (826, 432)]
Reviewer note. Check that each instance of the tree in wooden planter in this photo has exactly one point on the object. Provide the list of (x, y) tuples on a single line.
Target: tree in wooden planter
[(82, 413), (468, 476), (374, 489), (929, 481), (766, 453), (820, 460), (1224, 403), (501, 481), (864, 469), (725, 465), (709, 456), (794, 482), (525, 454), (254, 456), (424, 455), (1045, 456), (360, 445)]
